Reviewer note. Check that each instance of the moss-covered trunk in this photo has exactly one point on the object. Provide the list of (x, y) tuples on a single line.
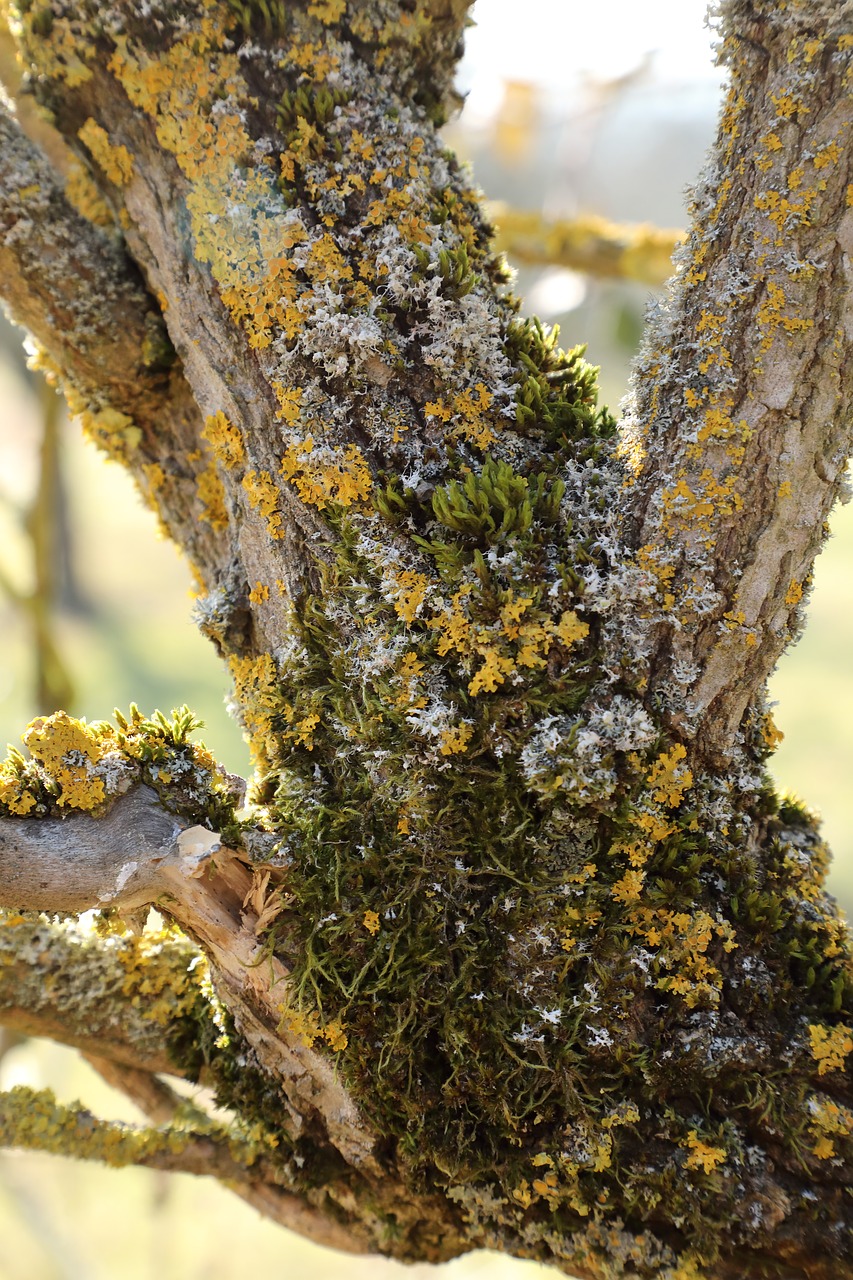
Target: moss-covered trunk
[(512, 857)]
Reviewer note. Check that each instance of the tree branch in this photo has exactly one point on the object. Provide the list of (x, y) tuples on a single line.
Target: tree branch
[(128, 1002), (61, 981), (33, 1120), (589, 244), (162, 1105), (76, 291), (32, 121), (70, 865), (558, 1022), (138, 853), (156, 1099), (740, 428)]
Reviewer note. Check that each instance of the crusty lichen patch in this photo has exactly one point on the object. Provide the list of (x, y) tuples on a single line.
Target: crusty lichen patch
[(73, 765)]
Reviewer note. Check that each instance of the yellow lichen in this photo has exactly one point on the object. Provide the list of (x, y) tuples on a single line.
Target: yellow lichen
[(794, 593), (289, 399), (770, 732), (570, 629), (827, 1120), (495, 669), (409, 591), (323, 475), (466, 415), (263, 496), (770, 317), (830, 1046), (85, 196), (703, 1156), (154, 474), (305, 1026), (681, 940), (115, 161), (523, 637), (454, 741), (256, 690), (224, 439), (371, 922), (828, 155), (110, 429), (211, 494), (328, 11), (14, 795), (335, 1036), (788, 105), (629, 888), (304, 730), (68, 751), (669, 778)]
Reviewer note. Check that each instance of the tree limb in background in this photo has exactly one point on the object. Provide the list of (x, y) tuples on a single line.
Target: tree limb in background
[(53, 688), (586, 243), (33, 1120)]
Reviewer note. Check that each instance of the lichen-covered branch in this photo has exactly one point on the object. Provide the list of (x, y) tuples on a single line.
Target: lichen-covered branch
[(73, 287), (33, 121), (538, 956), (740, 429), (115, 843), (139, 1006), (163, 1106), (587, 243), (68, 984), (33, 1120)]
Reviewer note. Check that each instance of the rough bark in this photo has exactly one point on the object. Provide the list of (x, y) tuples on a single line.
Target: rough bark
[(525, 949), (740, 432)]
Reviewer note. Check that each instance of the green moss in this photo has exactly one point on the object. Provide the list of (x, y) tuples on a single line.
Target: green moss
[(260, 17), (509, 962)]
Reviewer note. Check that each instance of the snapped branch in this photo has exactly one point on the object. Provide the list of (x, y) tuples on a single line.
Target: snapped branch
[(137, 853)]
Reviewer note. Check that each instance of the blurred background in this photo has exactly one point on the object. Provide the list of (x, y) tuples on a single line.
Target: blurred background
[(571, 110)]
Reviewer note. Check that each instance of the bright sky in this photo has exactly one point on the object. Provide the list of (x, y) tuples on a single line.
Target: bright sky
[(549, 42)]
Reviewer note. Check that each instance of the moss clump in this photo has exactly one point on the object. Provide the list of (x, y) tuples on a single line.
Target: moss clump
[(508, 893)]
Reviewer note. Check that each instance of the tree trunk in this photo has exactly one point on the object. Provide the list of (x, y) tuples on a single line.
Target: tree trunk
[(514, 945)]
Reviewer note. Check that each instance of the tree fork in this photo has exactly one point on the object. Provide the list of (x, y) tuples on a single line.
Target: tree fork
[(539, 903)]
